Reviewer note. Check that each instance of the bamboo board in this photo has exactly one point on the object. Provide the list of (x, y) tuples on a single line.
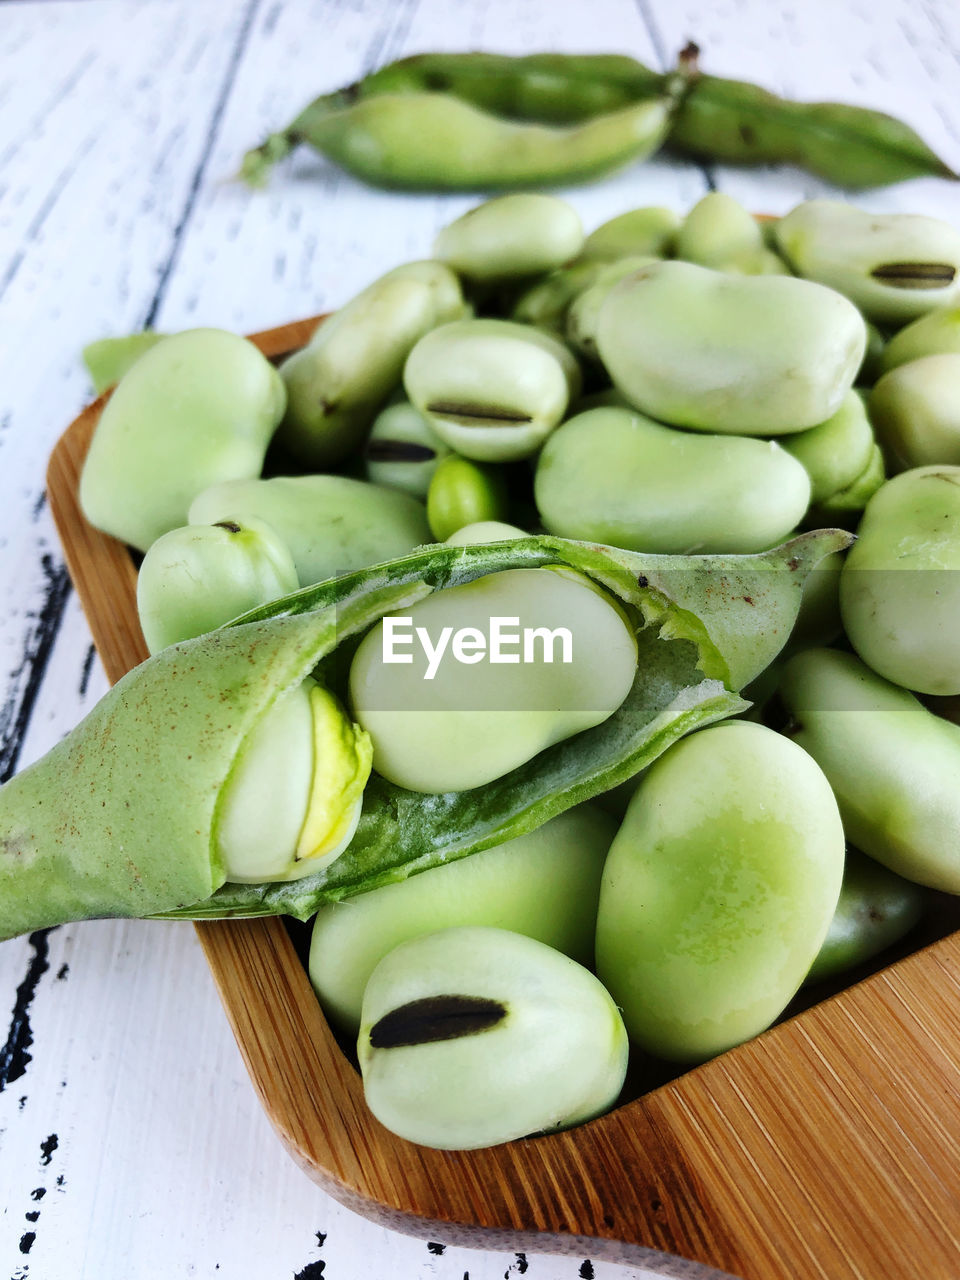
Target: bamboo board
[(826, 1149)]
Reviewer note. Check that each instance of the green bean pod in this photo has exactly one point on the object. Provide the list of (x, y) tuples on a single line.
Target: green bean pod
[(735, 122), (434, 141), (559, 88), (170, 732)]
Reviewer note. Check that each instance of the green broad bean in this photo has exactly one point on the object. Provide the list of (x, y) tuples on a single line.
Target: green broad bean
[(892, 764), (876, 909), (419, 141), (846, 504), (546, 302), (403, 450), (197, 409), (197, 578), (474, 1036), (916, 410), (337, 383), (544, 885), (836, 452), (614, 476), (292, 802), (584, 310), (894, 266), (109, 359), (331, 524), (936, 334), (874, 359), (463, 493), (650, 230), (513, 236), (717, 230), (749, 355), (492, 390), (485, 531), (718, 890), (451, 720), (900, 589)]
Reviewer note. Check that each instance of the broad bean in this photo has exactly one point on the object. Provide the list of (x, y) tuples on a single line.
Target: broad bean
[(544, 884), (197, 409), (403, 450), (875, 910), (331, 524), (464, 493), (110, 358), (485, 531), (716, 231), (895, 266), (892, 764), (900, 589), (453, 719), (492, 390), (197, 578), (292, 801), (340, 379), (916, 410), (475, 1036), (935, 334), (615, 476), (718, 890), (749, 355), (836, 452), (513, 236), (650, 230)]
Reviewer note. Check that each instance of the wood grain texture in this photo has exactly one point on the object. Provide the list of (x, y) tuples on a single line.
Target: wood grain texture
[(829, 1147)]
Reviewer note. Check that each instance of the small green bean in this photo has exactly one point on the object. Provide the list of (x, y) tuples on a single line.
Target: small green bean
[(462, 493), (518, 235)]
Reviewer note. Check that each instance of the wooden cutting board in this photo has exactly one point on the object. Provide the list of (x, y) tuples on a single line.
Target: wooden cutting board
[(826, 1149)]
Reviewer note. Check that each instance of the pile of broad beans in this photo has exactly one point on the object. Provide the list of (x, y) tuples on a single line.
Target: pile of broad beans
[(679, 386)]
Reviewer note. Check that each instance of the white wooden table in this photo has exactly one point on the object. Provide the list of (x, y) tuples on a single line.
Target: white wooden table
[(131, 1144)]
